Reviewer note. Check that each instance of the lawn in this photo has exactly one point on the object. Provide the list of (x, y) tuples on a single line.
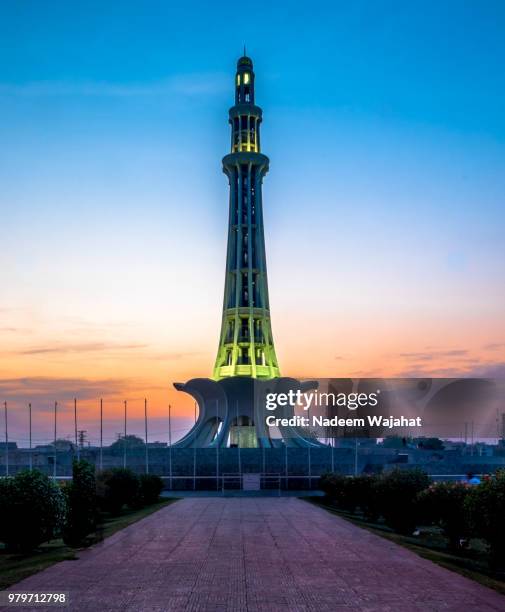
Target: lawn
[(15, 567), (431, 545)]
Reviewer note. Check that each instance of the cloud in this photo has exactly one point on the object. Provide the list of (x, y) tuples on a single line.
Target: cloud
[(430, 355), (185, 85), (489, 370), (177, 356), (472, 369), (41, 388), (494, 346), (82, 347)]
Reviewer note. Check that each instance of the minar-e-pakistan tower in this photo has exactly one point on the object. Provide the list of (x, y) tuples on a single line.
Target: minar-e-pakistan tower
[(231, 404), (246, 346)]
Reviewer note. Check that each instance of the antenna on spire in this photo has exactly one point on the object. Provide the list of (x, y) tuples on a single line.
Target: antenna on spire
[(245, 54)]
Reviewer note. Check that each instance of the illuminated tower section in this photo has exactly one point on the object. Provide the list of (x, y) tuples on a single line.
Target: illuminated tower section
[(246, 346)]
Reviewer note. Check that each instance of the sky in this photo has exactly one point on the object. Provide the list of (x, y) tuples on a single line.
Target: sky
[(384, 204)]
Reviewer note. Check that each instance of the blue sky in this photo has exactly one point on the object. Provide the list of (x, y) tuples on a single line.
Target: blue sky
[(384, 205)]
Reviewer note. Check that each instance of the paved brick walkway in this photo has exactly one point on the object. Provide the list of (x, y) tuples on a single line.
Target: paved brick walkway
[(256, 554)]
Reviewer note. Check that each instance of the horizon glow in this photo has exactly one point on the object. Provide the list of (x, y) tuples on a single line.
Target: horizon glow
[(383, 206)]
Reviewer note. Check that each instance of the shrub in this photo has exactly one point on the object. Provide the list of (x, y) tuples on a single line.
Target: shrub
[(397, 492), (81, 504), (115, 488), (350, 495), (485, 506), (443, 504), (32, 510), (350, 492), (367, 497), (333, 485), (150, 488)]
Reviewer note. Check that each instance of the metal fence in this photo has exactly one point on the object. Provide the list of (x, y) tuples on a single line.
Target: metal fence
[(208, 468)]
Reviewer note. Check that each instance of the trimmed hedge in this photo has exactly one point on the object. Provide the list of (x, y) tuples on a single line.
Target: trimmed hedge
[(350, 493), (32, 510), (391, 495), (485, 508), (116, 488), (81, 504), (397, 491), (150, 488), (405, 499), (443, 504)]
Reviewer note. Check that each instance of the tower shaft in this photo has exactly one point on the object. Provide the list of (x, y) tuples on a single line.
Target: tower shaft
[(246, 346)]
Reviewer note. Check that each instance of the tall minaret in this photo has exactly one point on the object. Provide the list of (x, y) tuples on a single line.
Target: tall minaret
[(246, 346)]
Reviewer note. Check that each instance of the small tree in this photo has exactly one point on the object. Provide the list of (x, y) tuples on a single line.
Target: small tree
[(397, 491), (394, 442), (116, 488), (32, 510), (81, 503), (485, 506), (443, 504), (430, 443), (130, 442), (150, 488)]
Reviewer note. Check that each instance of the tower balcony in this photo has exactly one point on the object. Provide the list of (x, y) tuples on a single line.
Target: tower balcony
[(238, 110), (233, 161)]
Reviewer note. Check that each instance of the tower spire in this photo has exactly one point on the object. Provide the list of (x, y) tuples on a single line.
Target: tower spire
[(246, 346)]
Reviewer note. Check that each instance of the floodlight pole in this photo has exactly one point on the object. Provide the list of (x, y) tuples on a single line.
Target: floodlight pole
[(6, 442), (124, 437), (75, 428), (55, 433), (145, 424), (101, 434), (310, 456), (30, 434)]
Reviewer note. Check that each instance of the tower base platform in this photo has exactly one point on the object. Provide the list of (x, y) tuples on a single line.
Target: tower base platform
[(232, 413)]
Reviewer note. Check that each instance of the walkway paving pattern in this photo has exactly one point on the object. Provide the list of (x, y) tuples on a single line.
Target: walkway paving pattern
[(255, 554)]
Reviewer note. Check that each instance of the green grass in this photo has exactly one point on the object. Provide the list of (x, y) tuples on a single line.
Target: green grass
[(15, 567), (431, 545)]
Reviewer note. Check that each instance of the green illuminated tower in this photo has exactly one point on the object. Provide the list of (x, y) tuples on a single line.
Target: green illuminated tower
[(246, 346)]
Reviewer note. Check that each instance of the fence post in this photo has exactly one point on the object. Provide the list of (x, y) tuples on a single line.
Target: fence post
[(170, 444), (194, 460), (310, 470), (238, 447), (217, 446), (286, 484)]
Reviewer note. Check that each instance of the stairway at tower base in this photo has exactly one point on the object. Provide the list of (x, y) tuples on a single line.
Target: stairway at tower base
[(232, 414)]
